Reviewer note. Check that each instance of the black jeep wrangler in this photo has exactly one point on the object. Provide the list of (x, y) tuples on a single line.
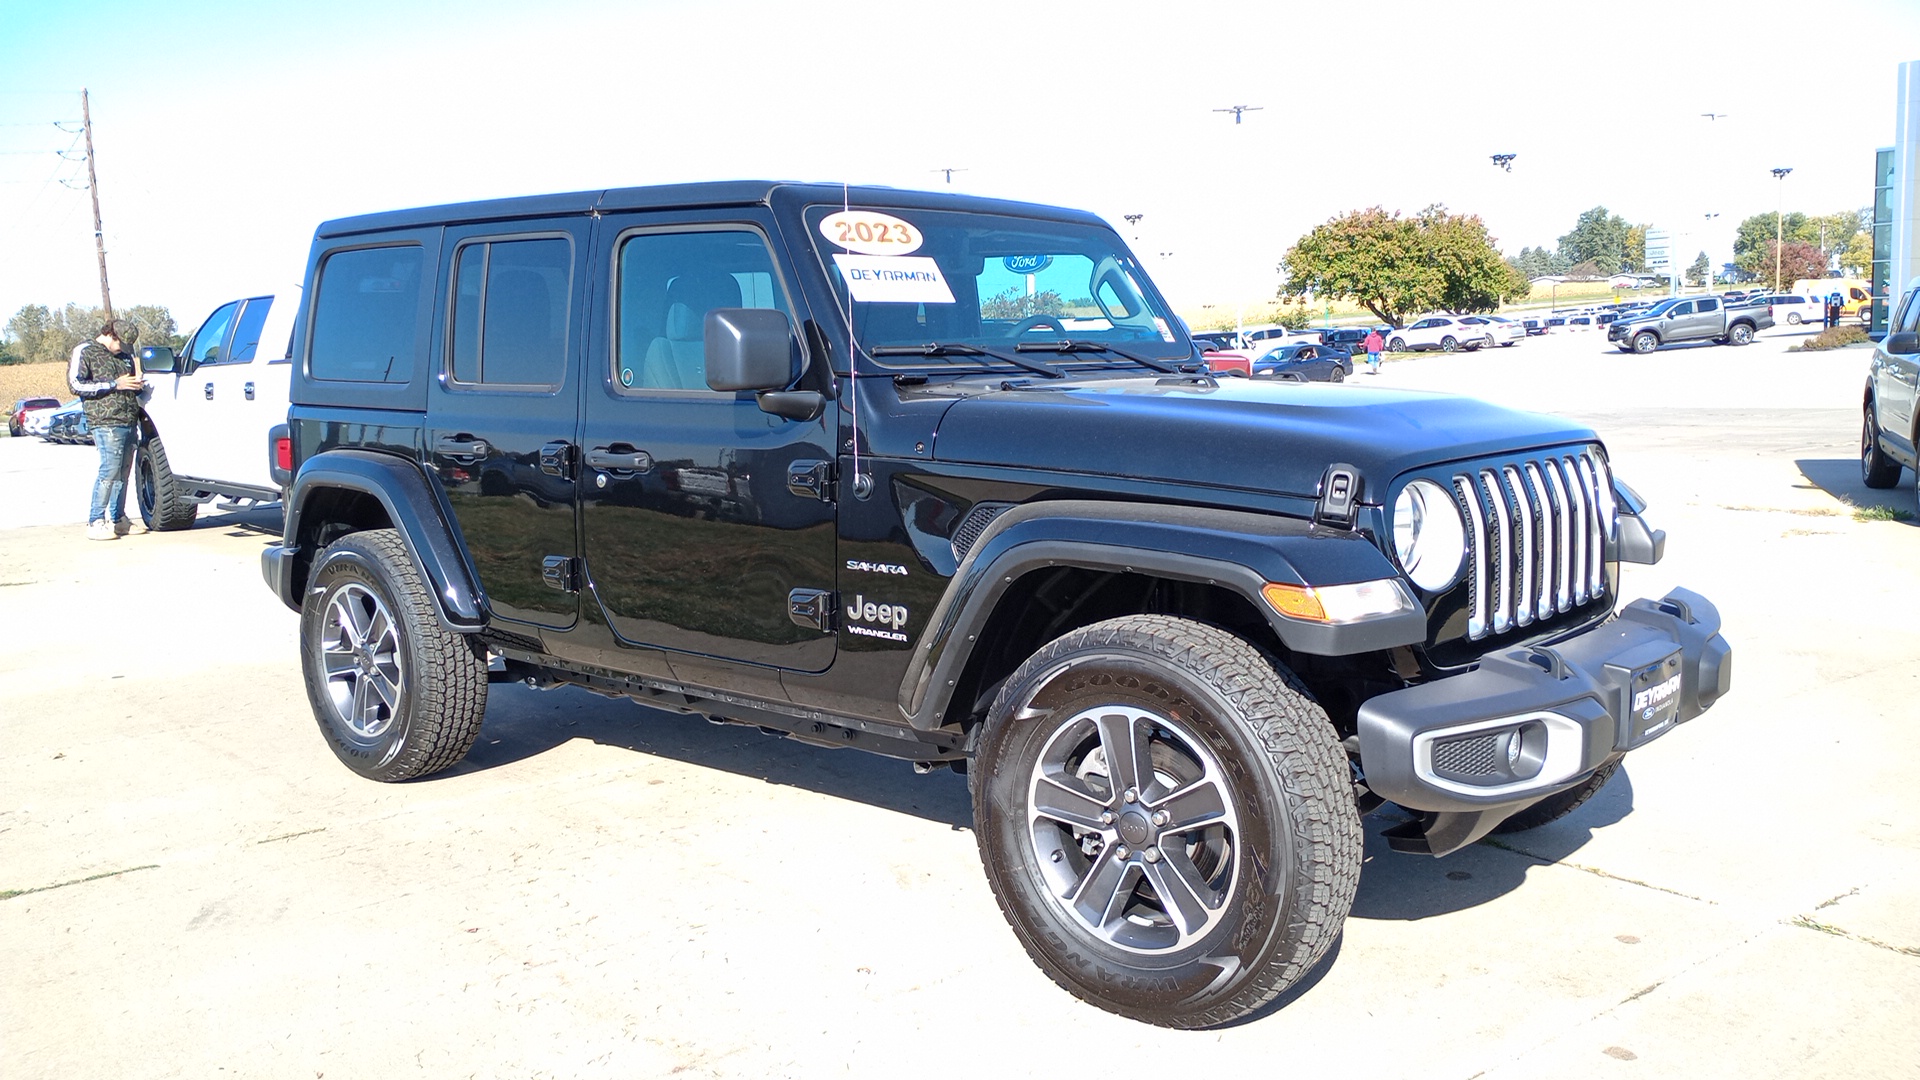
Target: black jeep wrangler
[(945, 479)]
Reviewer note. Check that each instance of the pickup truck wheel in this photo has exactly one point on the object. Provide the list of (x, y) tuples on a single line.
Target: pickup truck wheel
[(1739, 334), (1555, 807), (1167, 820), (1449, 343), (396, 694), (1644, 343), (163, 506), (1877, 470)]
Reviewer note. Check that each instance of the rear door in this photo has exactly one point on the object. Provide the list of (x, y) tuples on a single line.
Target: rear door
[(700, 530), (502, 411)]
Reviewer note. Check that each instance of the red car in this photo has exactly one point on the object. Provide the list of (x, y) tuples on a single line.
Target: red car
[(17, 417)]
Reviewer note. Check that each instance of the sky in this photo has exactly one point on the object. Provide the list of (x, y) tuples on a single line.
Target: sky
[(225, 131)]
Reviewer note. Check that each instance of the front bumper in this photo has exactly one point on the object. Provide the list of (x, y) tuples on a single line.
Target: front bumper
[(1476, 748)]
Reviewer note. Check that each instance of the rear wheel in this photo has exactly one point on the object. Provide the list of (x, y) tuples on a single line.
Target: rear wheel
[(1793, 318), (1338, 374), (1167, 820), (1740, 334), (1877, 470), (396, 694), (164, 506)]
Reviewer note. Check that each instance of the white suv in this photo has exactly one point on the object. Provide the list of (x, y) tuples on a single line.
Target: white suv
[(1444, 332), (211, 411)]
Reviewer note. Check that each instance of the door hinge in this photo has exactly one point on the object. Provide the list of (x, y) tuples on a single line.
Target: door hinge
[(811, 479), (561, 572), (1339, 496), (811, 608)]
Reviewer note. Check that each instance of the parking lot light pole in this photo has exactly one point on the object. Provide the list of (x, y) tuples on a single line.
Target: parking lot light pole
[(1779, 225)]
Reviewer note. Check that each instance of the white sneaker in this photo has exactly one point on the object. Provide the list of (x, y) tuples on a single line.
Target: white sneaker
[(128, 527), (102, 530)]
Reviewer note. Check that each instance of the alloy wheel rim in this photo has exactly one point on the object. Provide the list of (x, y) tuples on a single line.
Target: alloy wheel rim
[(360, 653), (1132, 829)]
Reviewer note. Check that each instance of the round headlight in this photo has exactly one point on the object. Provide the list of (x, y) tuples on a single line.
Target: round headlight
[(1429, 538)]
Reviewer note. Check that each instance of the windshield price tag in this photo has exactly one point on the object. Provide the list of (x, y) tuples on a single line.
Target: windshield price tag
[(913, 279), (869, 232)]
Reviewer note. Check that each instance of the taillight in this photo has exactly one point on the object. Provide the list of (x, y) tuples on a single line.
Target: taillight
[(283, 453)]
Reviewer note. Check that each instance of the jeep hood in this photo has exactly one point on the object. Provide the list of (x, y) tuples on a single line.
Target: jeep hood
[(1262, 436)]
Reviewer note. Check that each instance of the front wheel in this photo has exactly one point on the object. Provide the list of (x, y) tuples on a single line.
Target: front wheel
[(1740, 334), (1167, 820), (396, 694), (1877, 470), (164, 506), (1397, 345), (1645, 343)]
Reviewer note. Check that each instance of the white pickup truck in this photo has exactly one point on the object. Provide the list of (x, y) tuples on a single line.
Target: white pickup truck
[(211, 412)]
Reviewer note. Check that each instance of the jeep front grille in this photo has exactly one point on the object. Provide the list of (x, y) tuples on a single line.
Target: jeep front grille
[(1537, 532)]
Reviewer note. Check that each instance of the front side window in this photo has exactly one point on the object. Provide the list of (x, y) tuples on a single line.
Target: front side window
[(667, 282), (509, 324), (913, 277), (367, 315), (210, 341), (246, 336)]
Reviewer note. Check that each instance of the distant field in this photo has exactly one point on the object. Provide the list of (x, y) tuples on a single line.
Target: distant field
[(32, 380)]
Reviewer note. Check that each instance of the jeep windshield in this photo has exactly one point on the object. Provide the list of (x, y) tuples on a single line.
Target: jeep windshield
[(947, 288)]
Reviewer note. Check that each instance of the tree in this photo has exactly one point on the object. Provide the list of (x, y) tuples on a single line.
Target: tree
[(1697, 273), (1012, 304), (1797, 261), (1600, 238), (1397, 267), (1538, 262), (1636, 250), (1590, 270), (1857, 259), (42, 336), (1757, 232)]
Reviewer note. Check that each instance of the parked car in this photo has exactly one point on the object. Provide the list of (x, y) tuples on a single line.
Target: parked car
[(1536, 326), (1216, 340), (1307, 361), (1505, 332), (38, 420), (1794, 310), (1351, 338), (17, 416), (68, 424), (1265, 337), (1444, 332), (1890, 438)]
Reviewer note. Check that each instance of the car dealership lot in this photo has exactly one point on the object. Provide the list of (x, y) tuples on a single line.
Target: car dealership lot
[(601, 890)]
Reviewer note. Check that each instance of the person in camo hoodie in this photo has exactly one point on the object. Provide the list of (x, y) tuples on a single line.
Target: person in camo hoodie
[(101, 373)]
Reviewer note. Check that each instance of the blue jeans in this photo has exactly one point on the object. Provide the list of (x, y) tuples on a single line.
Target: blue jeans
[(110, 487)]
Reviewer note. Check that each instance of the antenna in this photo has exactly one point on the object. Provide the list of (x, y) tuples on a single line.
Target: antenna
[(949, 173), (1236, 110)]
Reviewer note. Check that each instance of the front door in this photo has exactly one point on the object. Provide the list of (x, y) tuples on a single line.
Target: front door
[(695, 540), (503, 410)]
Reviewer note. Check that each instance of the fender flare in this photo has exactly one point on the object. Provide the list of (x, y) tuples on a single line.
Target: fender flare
[(412, 505), (1237, 550)]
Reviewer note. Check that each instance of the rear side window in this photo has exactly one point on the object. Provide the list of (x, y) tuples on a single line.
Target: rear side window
[(510, 312), (366, 315)]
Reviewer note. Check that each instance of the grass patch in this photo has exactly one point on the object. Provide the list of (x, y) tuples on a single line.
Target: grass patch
[(11, 893), (1881, 513), (1838, 337)]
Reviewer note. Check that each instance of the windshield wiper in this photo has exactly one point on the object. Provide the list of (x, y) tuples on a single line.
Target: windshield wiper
[(954, 348), (1071, 345)]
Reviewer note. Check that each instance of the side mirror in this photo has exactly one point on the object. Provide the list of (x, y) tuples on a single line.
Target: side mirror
[(1906, 341), (749, 349), (157, 359)]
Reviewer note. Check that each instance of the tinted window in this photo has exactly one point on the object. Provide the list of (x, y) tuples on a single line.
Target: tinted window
[(1709, 305), (246, 336), (1685, 308), (211, 339), (366, 315), (510, 312), (667, 284), (1910, 320)]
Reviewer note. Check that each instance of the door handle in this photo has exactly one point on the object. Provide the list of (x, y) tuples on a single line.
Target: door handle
[(619, 458), (209, 391), (249, 391), (462, 445)]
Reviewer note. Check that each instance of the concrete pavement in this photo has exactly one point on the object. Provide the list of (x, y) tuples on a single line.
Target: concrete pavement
[(200, 889)]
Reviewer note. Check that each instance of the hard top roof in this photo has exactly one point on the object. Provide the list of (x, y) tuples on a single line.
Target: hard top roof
[(684, 196)]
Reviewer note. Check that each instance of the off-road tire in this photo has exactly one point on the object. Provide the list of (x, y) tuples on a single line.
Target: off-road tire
[(1877, 470), (1268, 757), (1644, 343), (1554, 807), (164, 506), (1739, 334), (436, 679)]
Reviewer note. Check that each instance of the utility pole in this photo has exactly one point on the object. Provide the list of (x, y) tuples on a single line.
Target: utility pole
[(1779, 225), (93, 189)]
